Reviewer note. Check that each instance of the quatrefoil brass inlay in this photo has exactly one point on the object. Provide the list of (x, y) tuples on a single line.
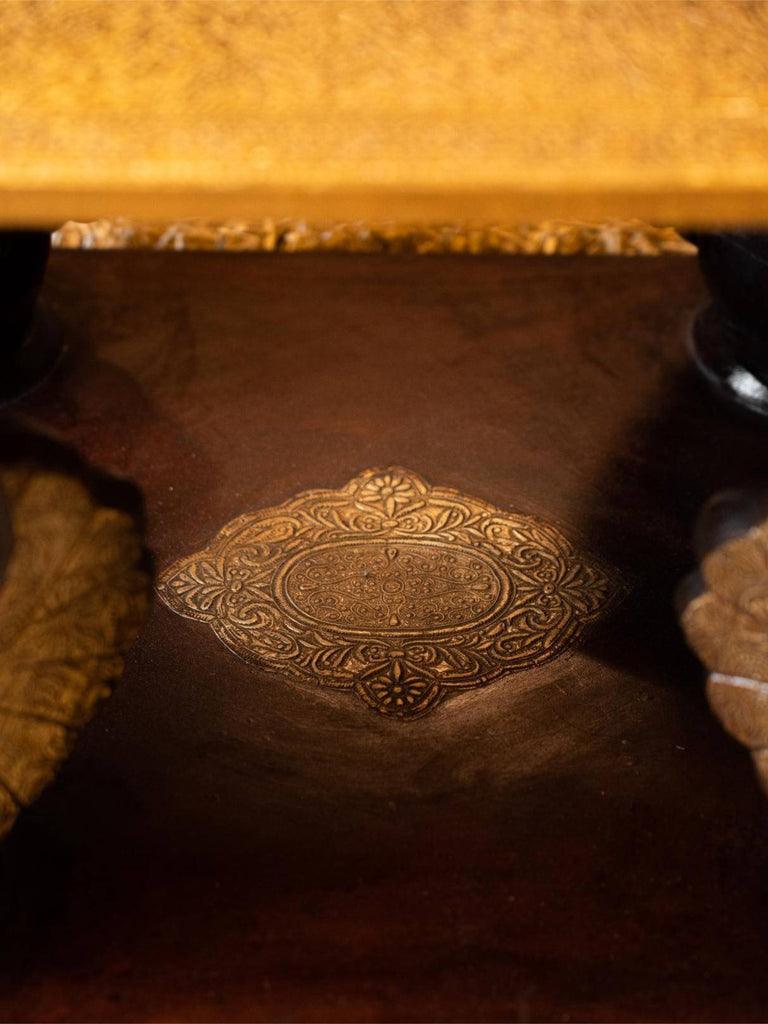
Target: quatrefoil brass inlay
[(391, 588)]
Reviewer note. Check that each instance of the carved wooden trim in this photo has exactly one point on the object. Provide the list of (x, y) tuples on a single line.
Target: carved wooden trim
[(549, 238)]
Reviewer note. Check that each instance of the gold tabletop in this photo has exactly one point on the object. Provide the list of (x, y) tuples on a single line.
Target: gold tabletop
[(423, 111)]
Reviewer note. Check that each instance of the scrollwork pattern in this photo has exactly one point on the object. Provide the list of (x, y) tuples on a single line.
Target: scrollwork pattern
[(390, 588)]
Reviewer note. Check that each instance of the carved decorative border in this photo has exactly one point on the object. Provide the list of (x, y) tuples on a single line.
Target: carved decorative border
[(549, 238)]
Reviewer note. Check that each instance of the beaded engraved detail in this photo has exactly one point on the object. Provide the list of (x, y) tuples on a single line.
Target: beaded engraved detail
[(396, 590)]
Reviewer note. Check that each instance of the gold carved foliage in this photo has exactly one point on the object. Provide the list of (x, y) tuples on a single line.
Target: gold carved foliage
[(400, 592), (545, 238), (724, 616), (74, 593)]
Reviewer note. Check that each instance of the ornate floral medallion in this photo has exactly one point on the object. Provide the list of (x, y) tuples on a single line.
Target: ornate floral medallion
[(396, 590)]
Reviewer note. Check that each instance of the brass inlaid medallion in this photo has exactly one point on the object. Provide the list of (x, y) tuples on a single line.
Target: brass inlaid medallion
[(391, 588)]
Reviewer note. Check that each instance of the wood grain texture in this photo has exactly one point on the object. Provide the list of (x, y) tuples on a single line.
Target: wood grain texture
[(579, 840), (422, 111)]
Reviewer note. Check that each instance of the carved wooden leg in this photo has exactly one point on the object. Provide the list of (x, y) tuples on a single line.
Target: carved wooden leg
[(730, 336), (74, 590), (724, 612), (74, 573), (29, 343)]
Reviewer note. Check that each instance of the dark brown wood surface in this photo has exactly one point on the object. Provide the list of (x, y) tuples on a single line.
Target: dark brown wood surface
[(581, 841)]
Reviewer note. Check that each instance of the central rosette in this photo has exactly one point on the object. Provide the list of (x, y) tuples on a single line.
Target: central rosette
[(377, 586)]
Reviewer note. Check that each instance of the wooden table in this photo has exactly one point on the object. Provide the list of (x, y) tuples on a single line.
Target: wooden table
[(580, 841)]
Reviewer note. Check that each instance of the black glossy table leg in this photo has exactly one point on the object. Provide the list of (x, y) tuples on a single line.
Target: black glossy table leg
[(729, 339), (29, 344)]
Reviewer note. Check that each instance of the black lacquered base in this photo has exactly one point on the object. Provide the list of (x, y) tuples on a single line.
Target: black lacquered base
[(29, 339), (721, 353), (729, 338), (36, 358)]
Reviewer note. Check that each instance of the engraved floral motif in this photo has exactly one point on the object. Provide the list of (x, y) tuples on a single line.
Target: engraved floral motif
[(374, 585), (396, 590), (390, 491)]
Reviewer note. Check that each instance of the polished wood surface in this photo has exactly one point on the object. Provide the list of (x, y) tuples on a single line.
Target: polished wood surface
[(578, 841), (492, 112)]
